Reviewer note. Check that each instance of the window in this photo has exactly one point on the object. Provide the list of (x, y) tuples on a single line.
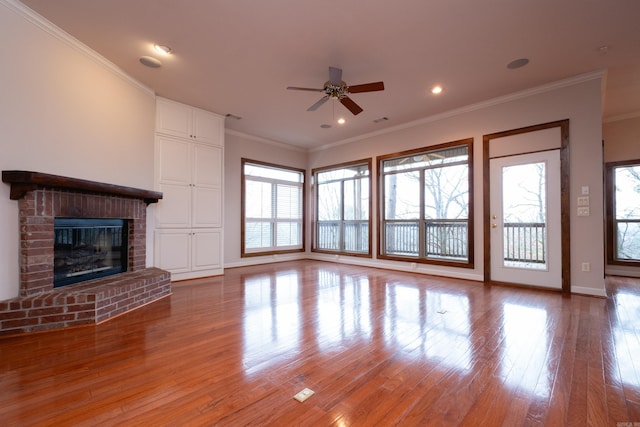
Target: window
[(272, 209), (342, 199), (426, 212), (623, 212)]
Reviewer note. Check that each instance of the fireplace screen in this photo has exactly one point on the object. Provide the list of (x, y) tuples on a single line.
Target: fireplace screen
[(86, 249)]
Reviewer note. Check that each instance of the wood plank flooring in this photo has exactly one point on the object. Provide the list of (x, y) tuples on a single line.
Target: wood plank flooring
[(379, 348)]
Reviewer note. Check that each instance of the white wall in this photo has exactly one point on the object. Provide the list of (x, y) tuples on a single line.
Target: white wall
[(236, 147), (65, 111), (578, 100)]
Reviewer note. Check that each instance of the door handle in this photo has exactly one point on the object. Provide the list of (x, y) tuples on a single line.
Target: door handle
[(494, 225)]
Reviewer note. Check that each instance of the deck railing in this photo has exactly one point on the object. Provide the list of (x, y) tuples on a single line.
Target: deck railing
[(445, 239), (525, 242), (627, 239), (354, 234)]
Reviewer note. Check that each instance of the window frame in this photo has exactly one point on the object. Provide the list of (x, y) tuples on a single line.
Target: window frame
[(243, 179), (422, 257), (611, 220), (314, 237)]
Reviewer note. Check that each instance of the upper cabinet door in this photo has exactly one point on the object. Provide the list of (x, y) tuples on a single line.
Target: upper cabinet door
[(173, 118), (207, 127), (174, 160)]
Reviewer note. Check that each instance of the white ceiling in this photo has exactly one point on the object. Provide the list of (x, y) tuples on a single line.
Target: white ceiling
[(238, 56)]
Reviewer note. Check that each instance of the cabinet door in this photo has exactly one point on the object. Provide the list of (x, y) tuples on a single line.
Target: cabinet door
[(174, 209), (174, 118), (206, 250), (207, 207), (174, 160), (207, 162), (172, 249), (207, 127), (207, 187)]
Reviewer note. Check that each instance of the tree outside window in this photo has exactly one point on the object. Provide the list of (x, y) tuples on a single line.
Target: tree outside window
[(342, 208), (623, 212), (426, 212)]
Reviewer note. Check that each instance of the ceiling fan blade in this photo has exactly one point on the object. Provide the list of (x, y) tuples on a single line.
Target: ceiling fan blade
[(367, 87), (315, 106), (351, 106), (335, 76), (304, 88)]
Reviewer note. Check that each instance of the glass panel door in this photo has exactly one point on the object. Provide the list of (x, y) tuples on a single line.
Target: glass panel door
[(525, 219)]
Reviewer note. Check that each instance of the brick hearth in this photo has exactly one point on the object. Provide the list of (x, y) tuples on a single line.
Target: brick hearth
[(40, 306)]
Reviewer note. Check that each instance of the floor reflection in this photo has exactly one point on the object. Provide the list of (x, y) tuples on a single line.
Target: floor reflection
[(626, 335), (271, 323), (344, 309), (414, 321), (436, 322), (526, 345)]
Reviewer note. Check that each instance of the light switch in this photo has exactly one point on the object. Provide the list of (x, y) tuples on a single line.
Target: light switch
[(585, 190), (583, 201), (583, 211)]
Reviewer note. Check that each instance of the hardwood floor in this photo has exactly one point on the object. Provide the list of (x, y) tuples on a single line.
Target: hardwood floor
[(377, 347)]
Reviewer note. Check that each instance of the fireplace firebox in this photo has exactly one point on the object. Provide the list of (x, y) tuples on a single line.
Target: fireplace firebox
[(86, 248)]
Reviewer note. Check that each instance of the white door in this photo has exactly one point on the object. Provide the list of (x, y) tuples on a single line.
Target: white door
[(526, 246)]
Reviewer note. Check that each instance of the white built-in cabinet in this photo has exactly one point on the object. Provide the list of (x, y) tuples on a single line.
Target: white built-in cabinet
[(189, 173)]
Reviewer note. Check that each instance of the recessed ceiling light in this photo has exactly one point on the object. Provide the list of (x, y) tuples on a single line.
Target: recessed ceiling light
[(150, 61), (381, 119), (341, 121), (436, 90), (325, 126), (517, 63), (162, 49)]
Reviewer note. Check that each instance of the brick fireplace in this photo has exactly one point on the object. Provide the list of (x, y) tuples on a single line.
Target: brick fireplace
[(41, 199)]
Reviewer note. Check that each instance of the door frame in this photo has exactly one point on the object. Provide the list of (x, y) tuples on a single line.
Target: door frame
[(565, 196)]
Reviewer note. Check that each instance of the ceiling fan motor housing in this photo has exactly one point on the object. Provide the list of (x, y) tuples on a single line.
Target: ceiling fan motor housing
[(335, 91), (336, 88)]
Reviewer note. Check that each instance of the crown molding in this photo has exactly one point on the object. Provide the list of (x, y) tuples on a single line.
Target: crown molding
[(55, 31), (264, 140), (474, 107), (621, 117)]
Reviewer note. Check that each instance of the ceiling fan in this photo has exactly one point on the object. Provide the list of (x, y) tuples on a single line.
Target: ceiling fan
[(337, 89)]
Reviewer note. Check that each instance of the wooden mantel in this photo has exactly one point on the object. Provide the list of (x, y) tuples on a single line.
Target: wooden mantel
[(24, 181)]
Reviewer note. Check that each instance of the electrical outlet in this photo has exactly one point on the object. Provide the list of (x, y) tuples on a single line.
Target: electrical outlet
[(586, 266), (303, 395), (583, 211)]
